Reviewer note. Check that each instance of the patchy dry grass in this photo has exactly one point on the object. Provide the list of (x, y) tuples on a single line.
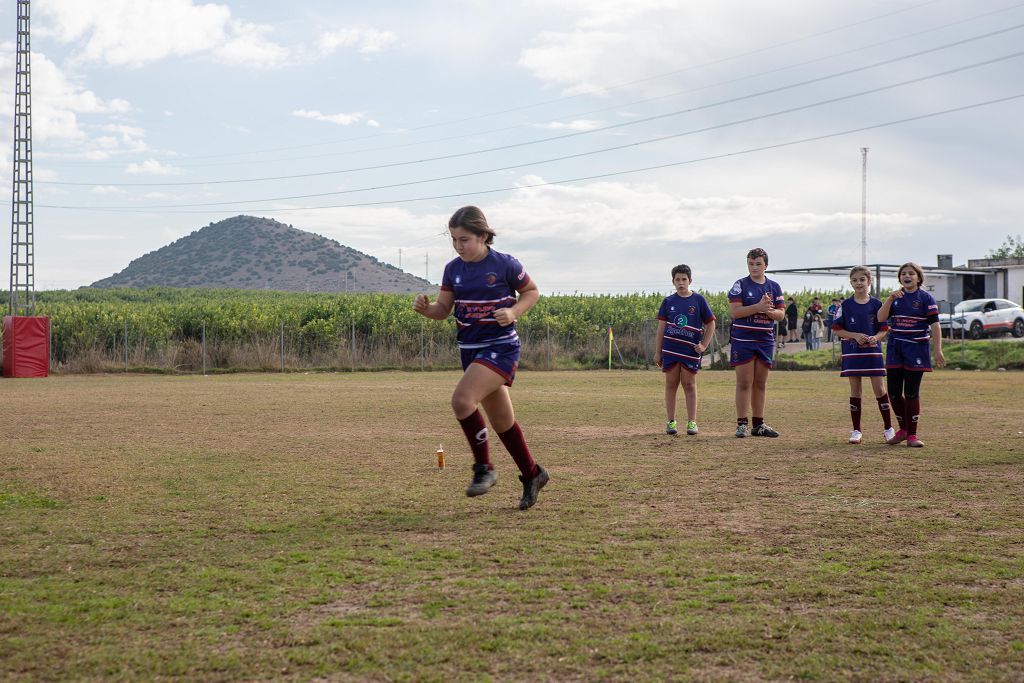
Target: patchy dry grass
[(251, 527)]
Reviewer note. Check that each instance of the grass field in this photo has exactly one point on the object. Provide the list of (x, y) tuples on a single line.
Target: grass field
[(254, 527)]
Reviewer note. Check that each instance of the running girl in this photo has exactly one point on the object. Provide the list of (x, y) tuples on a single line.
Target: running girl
[(915, 322), (856, 323), (755, 304), (481, 285), (685, 321)]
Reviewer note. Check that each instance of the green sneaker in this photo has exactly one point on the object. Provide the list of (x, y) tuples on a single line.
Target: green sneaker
[(670, 427), (691, 428)]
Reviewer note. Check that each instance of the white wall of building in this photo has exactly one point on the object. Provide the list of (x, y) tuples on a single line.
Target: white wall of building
[(1014, 284)]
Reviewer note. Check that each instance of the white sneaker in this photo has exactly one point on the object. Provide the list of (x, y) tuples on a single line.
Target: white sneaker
[(855, 436), (889, 433)]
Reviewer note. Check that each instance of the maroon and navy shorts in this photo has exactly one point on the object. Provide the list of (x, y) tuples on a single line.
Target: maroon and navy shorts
[(742, 352), (502, 358)]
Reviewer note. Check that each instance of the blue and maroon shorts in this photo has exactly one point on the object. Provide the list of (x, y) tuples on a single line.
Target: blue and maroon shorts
[(742, 352), (908, 355), (502, 358)]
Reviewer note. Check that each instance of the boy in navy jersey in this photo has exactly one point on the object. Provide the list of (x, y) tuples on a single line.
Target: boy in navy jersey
[(685, 321), (481, 286), (913, 318), (755, 304), (856, 323)]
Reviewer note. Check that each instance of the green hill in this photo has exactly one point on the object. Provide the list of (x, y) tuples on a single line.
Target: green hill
[(246, 252)]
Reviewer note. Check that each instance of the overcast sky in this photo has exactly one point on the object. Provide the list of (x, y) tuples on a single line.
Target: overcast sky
[(150, 110)]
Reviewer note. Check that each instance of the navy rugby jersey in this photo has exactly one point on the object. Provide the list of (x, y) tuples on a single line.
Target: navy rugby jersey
[(757, 327), (684, 319), (911, 316), (480, 288), (859, 319)]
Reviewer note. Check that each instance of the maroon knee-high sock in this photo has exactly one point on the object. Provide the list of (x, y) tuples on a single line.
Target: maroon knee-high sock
[(520, 452), (913, 415), (855, 412), (475, 430), (899, 409), (883, 408)]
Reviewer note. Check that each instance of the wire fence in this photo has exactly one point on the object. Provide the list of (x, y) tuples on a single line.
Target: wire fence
[(291, 348)]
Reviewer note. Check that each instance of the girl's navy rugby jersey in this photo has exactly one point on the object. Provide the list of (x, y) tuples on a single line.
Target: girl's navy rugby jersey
[(860, 319), (481, 288), (757, 327), (911, 316)]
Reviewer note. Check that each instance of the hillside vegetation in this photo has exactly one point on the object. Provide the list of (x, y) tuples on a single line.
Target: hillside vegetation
[(246, 252)]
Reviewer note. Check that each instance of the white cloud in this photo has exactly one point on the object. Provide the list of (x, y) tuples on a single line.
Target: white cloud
[(373, 124), (249, 47), (57, 101), (107, 189), (578, 125), (591, 55), (365, 41), (337, 119), (151, 167), (136, 32)]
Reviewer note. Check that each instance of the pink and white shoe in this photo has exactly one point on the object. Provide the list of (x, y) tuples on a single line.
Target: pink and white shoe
[(856, 436), (898, 437), (888, 434), (914, 442)]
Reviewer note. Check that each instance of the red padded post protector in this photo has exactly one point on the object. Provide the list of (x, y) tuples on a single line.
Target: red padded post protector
[(26, 346)]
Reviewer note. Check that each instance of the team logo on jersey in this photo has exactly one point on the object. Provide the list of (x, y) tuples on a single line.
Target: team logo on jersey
[(693, 310), (493, 355), (736, 289), (917, 360), (681, 320), (915, 304), (492, 279), (749, 293), (458, 279), (522, 275)]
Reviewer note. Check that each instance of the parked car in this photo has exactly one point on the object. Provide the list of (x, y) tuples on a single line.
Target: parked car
[(977, 318)]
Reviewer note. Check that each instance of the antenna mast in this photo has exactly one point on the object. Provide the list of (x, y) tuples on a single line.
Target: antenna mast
[(22, 292), (864, 205)]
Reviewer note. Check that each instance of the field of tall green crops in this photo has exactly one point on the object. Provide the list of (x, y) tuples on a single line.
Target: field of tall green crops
[(151, 327)]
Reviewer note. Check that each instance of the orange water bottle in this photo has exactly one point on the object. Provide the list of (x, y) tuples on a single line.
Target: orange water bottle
[(440, 457)]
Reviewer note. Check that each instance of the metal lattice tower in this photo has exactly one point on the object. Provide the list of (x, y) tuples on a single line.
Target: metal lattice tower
[(23, 290)]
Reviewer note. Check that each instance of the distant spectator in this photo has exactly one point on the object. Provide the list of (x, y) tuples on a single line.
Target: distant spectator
[(805, 328), (791, 316), (831, 318), (817, 331)]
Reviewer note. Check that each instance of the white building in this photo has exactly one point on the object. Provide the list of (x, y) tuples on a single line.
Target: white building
[(979, 279)]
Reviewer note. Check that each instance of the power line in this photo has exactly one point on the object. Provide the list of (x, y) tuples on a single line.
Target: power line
[(578, 155), (565, 136), (517, 126), (602, 89), (599, 176)]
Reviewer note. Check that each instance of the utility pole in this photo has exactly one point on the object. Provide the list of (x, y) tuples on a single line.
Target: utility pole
[(864, 205)]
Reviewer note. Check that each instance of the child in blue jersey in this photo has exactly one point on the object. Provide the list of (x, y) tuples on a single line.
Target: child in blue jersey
[(685, 321), (856, 324), (913, 318), (481, 285), (755, 304)]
